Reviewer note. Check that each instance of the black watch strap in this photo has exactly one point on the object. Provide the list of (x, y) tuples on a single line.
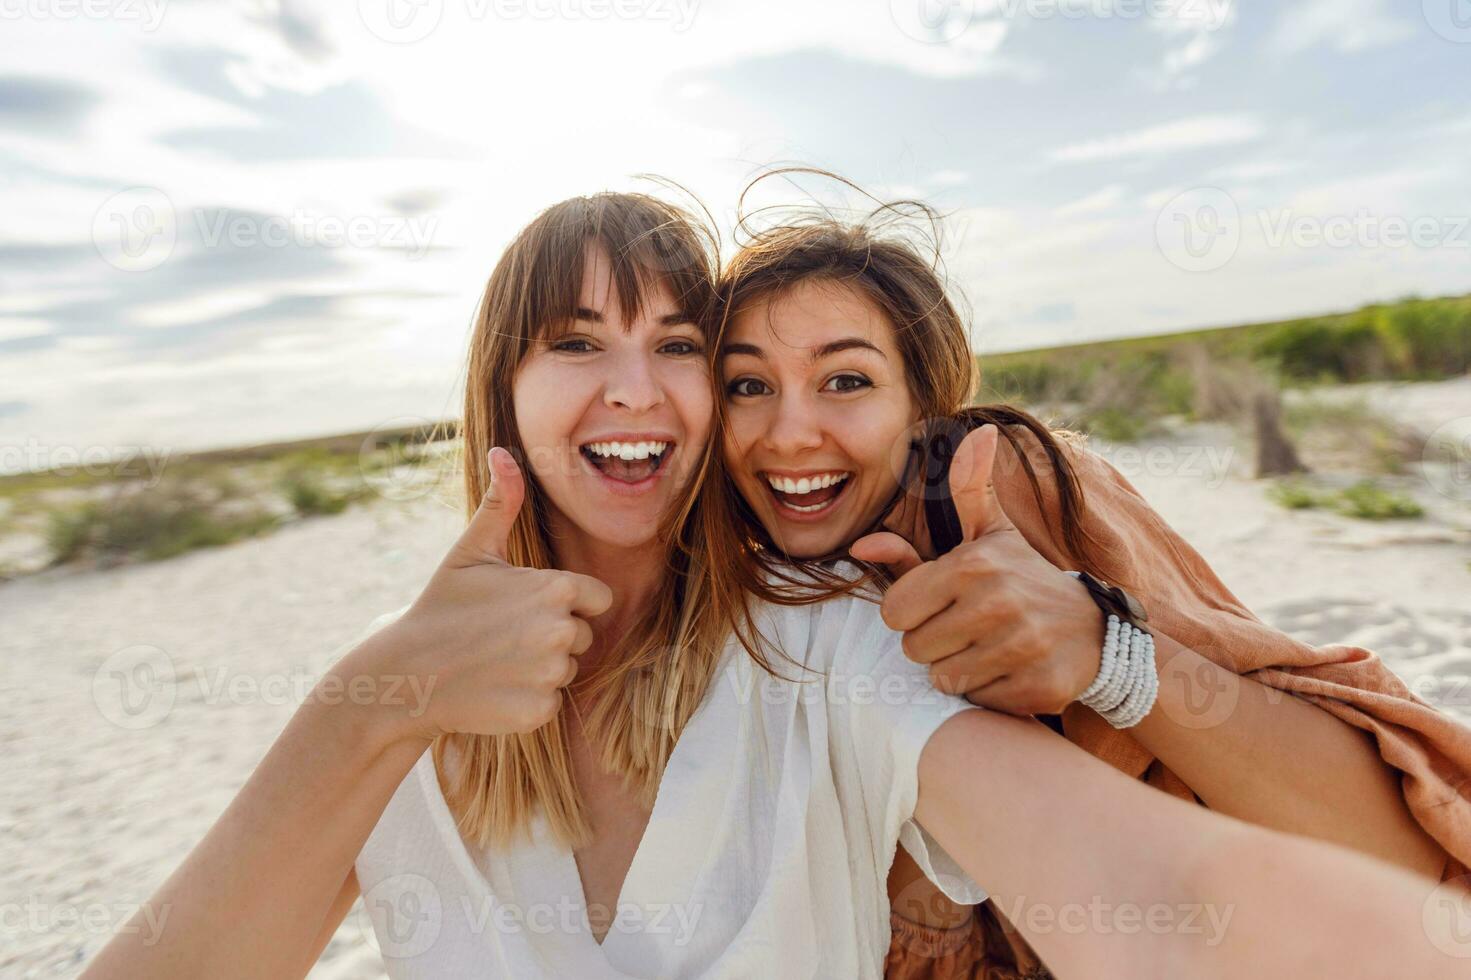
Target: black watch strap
[(1114, 600)]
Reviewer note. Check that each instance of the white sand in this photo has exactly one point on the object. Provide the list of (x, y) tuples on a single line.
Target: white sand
[(95, 815)]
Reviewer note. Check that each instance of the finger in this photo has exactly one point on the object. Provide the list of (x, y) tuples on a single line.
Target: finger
[(571, 675), (887, 549), (592, 598), (1005, 693), (969, 671), (922, 593), (489, 531), (971, 484), (583, 640), (944, 635)]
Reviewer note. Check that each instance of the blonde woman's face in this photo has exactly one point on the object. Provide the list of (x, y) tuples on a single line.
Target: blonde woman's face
[(816, 398), (614, 414)]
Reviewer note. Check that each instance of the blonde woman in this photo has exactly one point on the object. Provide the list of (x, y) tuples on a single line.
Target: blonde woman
[(735, 815)]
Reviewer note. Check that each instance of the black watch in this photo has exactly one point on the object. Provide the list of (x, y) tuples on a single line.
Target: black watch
[(1114, 600)]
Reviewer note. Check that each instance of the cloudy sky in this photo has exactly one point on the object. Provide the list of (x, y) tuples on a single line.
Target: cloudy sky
[(233, 222)]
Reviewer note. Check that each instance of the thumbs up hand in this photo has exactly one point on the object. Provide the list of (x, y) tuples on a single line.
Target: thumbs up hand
[(492, 643), (993, 619)]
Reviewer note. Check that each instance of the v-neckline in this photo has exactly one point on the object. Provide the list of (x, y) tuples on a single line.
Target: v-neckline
[(563, 859)]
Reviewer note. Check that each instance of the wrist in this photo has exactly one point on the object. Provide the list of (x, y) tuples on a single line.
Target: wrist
[(370, 692)]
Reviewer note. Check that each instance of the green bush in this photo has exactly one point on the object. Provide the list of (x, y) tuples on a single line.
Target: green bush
[(1295, 495), (309, 496), (1372, 502), (151, 524)]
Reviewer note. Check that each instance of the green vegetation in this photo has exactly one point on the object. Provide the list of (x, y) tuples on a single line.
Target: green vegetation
[(148, 511), (1120, 386), (1364, 499), (155, 523)]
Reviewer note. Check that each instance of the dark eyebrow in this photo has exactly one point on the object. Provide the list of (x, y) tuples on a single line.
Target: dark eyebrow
[(667, 320), (818, 353)]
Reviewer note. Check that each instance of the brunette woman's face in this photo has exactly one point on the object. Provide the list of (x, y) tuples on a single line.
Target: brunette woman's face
[(816, 397), (614, 414)]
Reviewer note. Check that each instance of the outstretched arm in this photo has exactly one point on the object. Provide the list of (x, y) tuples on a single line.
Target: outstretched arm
[(1000, 624), (1107, 877), (486, 648)]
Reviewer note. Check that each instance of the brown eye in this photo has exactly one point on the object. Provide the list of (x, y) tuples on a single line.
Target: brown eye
[(747, 388), (847, 382)]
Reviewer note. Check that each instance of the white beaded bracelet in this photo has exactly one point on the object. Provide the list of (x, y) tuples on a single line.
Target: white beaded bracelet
[(1127, 684)]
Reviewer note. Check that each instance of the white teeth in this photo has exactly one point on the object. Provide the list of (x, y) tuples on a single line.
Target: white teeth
[(783, 484), (628, 450)]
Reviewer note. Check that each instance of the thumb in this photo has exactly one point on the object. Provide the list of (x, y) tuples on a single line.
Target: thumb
[(887, 548), (489, 529), (972, 487)]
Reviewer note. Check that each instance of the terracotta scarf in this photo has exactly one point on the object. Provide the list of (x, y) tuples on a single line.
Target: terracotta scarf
[(1189, 603)]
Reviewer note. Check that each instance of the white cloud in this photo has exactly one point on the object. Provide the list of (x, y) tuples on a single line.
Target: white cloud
[(1183, 134), (1346, 25), (1099, 200)]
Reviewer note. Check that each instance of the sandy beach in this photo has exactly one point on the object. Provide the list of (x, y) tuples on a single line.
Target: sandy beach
[(102, 800)]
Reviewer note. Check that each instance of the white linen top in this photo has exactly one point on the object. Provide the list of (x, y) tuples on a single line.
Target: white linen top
[(766, 855)]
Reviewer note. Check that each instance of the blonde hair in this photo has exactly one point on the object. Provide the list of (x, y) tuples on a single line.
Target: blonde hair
[(659, 672)]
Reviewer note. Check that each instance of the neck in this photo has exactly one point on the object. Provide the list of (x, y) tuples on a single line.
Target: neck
[(633, 574)]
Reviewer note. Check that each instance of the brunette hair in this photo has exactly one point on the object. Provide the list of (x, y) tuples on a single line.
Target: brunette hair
[(876, 258)]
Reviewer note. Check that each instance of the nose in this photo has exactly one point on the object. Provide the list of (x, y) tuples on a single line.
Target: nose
[(633, 385), (797, 427)]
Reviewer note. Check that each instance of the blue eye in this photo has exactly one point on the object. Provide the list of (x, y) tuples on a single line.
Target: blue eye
[(747, 388), (572, 345), (680, 348), (846, 382)]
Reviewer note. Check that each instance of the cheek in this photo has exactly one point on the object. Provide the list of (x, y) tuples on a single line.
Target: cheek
[(547, 407)]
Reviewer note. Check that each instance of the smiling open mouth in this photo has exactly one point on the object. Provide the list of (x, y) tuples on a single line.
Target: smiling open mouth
[(627, 462), (807, 494)]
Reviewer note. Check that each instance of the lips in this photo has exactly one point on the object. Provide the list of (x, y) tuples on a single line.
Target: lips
[(628, 460), (806, 495)]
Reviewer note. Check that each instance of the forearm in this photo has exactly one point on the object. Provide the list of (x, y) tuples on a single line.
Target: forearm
[(1273, 759), (1131, 882), (251, 897)]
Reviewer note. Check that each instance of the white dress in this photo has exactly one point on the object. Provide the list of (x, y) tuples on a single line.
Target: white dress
[(766, 855)]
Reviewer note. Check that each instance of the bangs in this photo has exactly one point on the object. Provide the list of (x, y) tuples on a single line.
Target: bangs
[(648, 243)]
